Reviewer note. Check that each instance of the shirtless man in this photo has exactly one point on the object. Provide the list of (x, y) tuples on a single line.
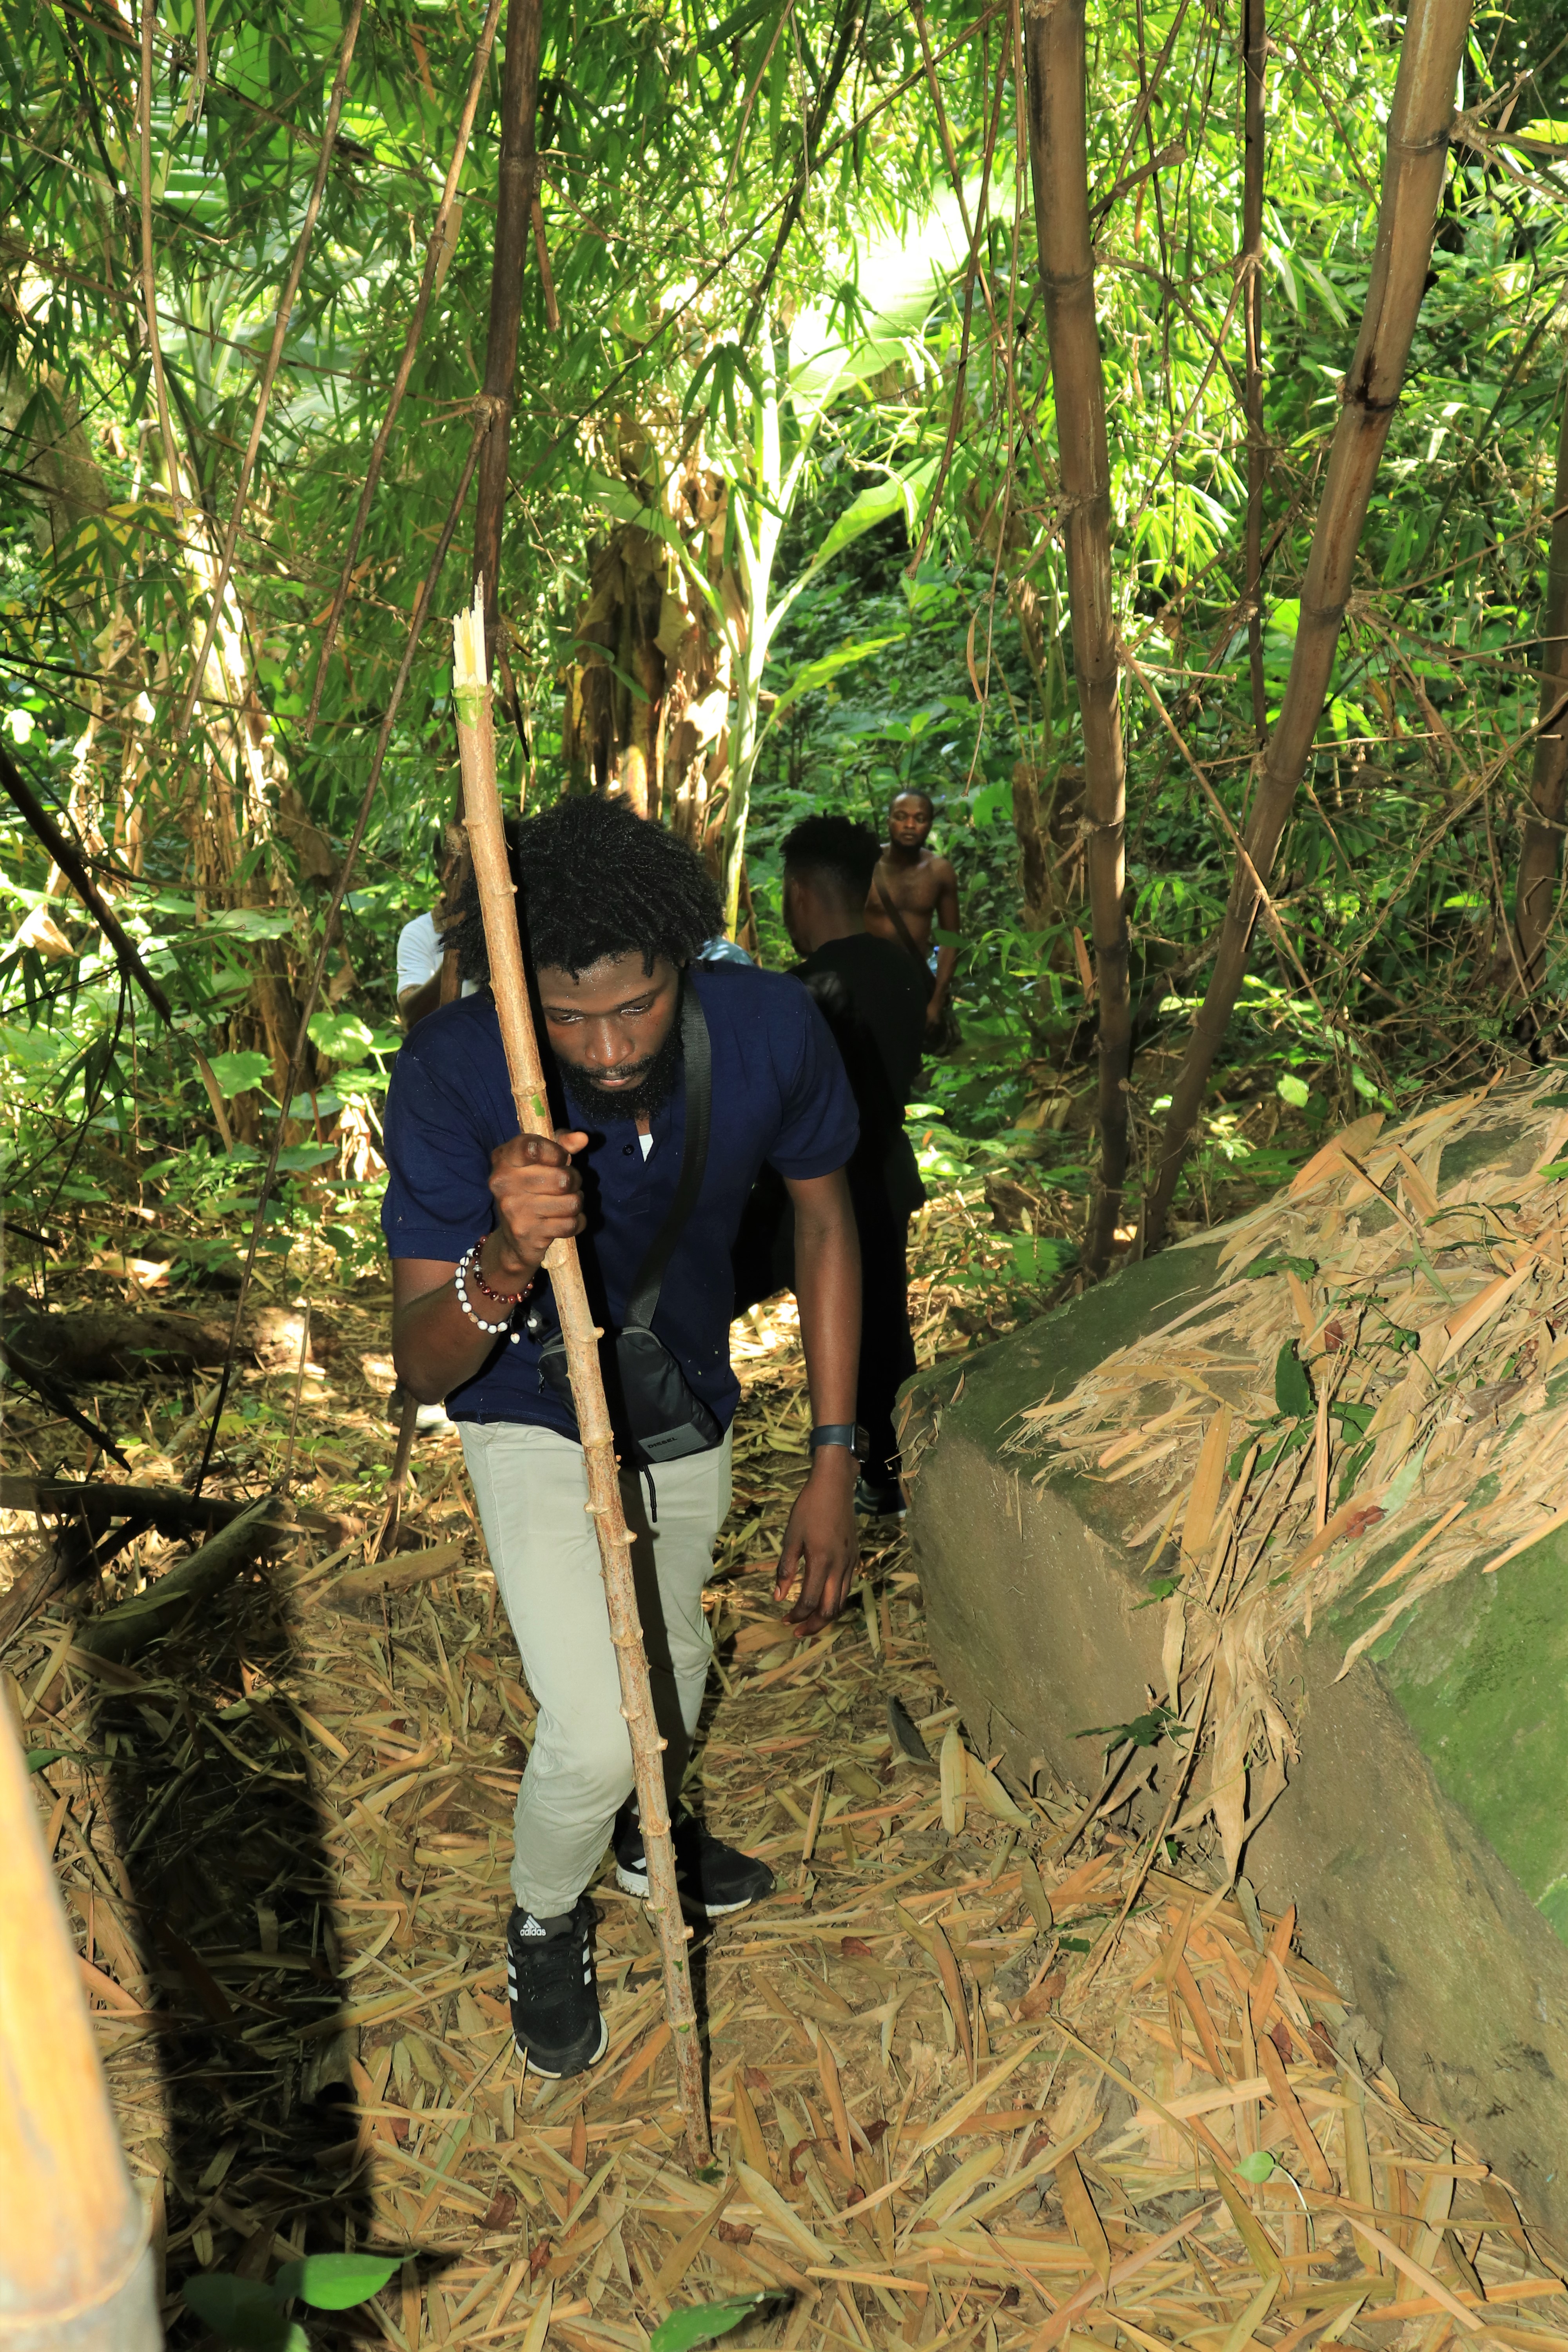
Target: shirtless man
[(923, 889)]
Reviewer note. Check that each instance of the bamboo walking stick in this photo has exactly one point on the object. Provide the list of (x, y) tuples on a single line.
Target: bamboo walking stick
[(77, 2273), (509, 985)]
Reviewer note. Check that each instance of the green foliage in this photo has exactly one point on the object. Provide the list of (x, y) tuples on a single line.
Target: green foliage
[(335, 2282), (237, 1073), (681, 144), (700, 2323), (1293, 1388), (254, 2317), (243, 2312)]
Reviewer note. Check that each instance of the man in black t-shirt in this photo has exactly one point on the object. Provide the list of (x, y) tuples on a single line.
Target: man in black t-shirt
[(874, 1000)]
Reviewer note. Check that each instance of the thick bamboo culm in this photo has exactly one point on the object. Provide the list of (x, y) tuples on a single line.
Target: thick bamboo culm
[(1056, 48), (1416, 160), (509, 985), (77, 2273)]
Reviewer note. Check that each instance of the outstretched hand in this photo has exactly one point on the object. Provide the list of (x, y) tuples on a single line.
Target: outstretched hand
[(821, 1544)]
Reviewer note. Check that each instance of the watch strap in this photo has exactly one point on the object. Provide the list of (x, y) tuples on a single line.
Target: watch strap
[(840, 1433)]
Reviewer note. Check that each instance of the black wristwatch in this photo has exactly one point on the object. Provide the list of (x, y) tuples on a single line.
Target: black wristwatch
[(842, 1432)]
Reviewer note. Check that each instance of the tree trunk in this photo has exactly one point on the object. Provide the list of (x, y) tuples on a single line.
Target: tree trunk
[(1057, 93), (514, 211), (1535, 889), (1416, 159), (1255, 52)]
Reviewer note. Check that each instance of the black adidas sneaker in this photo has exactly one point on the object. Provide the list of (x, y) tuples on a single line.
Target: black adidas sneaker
[(556, 2019), (714, 1878)]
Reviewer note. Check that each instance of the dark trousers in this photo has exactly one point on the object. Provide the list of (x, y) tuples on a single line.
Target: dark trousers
[(763, 1260)]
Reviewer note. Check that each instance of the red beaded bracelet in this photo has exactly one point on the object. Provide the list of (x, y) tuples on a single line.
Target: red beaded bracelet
[(498, 1298)]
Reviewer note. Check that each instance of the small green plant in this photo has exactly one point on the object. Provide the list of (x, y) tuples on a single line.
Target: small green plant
[(1143, 1731), (700, 2322), (254, 2316)]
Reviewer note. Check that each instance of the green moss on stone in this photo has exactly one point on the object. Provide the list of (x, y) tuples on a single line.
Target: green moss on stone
[(1044, 1358), (1479, 1669)]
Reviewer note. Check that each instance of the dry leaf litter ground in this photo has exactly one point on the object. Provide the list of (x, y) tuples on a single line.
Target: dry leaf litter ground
[(980, 2076)]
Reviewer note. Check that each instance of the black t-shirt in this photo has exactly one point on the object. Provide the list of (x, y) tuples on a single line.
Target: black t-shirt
[(885, 990), (874, 1003)]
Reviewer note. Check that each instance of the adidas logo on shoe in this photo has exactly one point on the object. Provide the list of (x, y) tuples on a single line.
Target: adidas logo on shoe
[(556, 2019)]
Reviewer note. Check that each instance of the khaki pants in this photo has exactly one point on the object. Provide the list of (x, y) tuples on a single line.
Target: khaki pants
[(531, 1491)]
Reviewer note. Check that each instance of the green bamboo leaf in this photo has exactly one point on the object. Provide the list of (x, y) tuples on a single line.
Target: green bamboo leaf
[(335, 2282), (821, 672), (700, 2322), (1293, 1388)]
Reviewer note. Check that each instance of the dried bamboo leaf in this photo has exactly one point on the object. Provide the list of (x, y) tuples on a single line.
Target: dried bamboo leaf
[(954, 1781)]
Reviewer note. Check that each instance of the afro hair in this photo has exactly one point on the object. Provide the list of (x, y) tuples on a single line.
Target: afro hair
[(593, 881)]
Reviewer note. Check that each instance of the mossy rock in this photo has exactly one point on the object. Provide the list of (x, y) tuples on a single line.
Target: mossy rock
[(1423, 1836)]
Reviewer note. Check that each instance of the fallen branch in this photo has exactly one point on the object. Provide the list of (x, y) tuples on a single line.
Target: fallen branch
[(12, 1360), (125, 1631), (170, 1510), (399, 1573)]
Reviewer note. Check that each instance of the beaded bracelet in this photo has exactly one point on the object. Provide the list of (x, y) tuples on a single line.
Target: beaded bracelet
[(469, 1259), (498, 1298)]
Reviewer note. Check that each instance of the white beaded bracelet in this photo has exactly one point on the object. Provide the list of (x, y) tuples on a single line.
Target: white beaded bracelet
[(459, 1274)]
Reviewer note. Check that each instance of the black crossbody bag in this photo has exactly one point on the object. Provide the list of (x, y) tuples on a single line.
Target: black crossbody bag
[(664, 1417)]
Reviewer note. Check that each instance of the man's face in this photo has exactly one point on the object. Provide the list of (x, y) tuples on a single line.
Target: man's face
[(910, 820), (608, 1028)]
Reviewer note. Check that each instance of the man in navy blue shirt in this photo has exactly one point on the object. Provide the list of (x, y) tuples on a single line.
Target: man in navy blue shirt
[(613, 912)]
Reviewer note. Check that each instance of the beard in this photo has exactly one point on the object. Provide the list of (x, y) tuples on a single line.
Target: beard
[(653, 1084)]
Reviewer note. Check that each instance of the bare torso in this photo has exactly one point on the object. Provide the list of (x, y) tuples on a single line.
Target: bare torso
[(918, 888)]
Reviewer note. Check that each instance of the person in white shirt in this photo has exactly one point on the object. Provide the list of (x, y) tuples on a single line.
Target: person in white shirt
[(419, 954), (418, 968)]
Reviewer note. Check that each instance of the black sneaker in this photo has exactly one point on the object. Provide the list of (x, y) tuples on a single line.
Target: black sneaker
[(556, 2019), (876, 1500), (714, 1878)]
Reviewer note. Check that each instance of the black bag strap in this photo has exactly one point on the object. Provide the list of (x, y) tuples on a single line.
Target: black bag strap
[(697, 1052)]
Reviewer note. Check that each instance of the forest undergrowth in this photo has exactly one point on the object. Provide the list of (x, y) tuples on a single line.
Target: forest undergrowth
[(964, 2066)]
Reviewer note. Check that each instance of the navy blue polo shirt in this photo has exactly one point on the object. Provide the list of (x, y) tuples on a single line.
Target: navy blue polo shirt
[(779, 1094)]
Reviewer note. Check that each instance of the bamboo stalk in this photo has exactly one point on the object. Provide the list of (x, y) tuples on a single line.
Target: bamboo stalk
[(1254, 62), (1055, 46), (435, 248), (275, 354), (1415, 163), (76, 2271), (517, 196), (509, 985), (1535, 889), (150, 267), (482, 421)]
